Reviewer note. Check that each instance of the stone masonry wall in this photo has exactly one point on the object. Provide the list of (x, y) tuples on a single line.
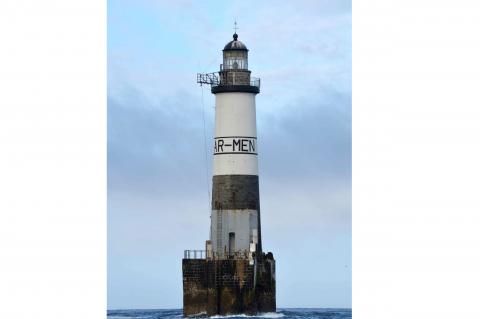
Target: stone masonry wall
[(228, 286), (194, 286)]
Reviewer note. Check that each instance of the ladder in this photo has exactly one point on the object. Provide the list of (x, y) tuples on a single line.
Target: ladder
[(219, 231)]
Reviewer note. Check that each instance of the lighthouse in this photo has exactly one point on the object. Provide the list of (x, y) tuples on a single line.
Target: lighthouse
[(232, 275)]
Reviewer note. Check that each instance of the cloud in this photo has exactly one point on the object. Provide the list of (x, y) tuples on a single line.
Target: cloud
[(153, 144)]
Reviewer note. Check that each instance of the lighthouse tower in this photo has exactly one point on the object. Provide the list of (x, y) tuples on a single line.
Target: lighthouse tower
[(235, 221), (232, 275)]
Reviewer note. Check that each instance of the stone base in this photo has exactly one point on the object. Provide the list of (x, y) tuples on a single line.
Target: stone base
[(228, 286)]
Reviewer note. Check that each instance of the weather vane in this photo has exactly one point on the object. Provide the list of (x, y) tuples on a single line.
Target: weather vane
[(235, 27)]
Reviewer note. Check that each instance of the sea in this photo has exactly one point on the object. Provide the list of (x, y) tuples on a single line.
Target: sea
[(289, 313)]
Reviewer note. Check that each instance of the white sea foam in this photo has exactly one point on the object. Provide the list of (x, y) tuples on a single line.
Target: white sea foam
[(271, 315), (129, 317), (261, 315)]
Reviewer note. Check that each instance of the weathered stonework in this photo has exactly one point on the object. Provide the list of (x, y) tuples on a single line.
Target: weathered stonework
[(235, 192), (228, 286)]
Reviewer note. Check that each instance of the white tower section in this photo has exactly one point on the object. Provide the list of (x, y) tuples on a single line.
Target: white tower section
[(235, 133)]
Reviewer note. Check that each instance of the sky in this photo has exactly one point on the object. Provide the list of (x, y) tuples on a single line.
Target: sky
[(160, 139)]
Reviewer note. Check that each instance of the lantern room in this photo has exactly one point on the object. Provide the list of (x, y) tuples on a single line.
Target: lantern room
[(235, 55)]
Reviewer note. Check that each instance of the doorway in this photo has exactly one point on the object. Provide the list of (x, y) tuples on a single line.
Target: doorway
[(231, 243)]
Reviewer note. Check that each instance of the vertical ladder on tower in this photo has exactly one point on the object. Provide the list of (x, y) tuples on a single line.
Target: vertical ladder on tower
[(219, 232)]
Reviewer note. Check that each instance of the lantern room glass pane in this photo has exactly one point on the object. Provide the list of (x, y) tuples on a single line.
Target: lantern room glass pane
[(235, 60)]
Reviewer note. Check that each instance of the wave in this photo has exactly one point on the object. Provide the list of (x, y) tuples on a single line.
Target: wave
[(285, 313)]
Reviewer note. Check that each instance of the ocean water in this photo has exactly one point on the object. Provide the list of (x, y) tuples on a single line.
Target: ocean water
[(290, 313)]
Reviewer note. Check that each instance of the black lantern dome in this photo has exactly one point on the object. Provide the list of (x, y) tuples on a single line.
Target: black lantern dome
[(235, 45)]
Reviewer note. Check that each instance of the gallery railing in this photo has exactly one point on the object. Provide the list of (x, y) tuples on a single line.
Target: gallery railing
[(202, 254), (226, 78), (194, 254)]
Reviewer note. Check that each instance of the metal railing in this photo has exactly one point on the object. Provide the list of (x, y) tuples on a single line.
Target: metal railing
[(202, 254), (244, 68), (255, 82), (208, 78), (227, 78), (240, 254), (194, 254)]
